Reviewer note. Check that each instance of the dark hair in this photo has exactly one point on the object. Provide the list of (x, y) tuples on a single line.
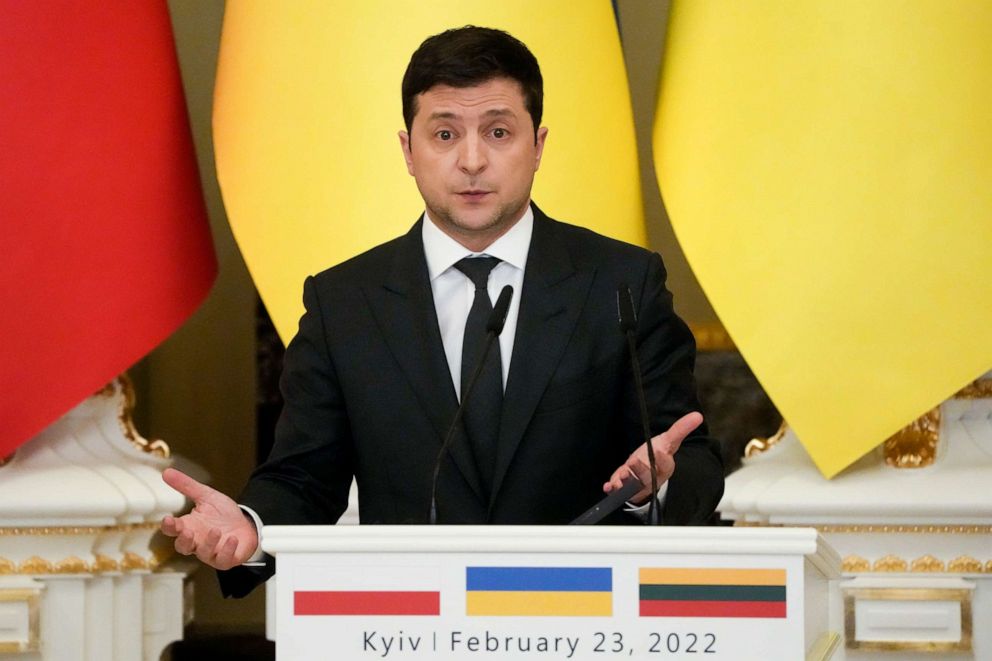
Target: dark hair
[(469, 56)]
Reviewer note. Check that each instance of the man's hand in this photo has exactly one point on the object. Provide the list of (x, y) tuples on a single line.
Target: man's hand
[(665, 445), (216, 530)]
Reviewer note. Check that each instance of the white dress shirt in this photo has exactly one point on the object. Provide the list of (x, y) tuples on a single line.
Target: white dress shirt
[(454, 292)]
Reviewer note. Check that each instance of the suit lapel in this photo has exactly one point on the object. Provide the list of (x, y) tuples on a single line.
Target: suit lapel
[(404, 309), (553, 295)]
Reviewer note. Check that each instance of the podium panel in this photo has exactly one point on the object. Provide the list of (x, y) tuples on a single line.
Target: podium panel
[(409, 592)]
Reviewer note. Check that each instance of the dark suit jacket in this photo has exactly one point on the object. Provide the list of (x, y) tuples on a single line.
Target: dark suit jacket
[(368, 393)]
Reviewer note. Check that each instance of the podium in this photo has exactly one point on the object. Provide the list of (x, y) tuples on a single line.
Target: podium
[(538, 592)]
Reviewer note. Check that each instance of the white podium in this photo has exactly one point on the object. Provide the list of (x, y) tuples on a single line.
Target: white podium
[(535, 592)]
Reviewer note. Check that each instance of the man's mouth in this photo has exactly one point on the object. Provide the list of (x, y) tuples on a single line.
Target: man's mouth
[(473, 194)]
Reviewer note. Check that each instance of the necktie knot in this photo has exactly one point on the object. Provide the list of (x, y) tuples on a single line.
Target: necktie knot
[(477, 269)]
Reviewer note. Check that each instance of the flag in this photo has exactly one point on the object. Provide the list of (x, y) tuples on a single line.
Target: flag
[(712, 592), (104, 238), (366, 602), (379, 590), (827, 167), (307, 110), (544, 591)]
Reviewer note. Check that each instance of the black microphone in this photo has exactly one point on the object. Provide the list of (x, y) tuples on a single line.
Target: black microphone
[(628, 324), (494, 326)]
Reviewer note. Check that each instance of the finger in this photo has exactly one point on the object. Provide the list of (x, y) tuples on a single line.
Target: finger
[(186, 485), (207, 549), (224, 558), (185, 542), (670, 440), (170, 526), (210, 542)]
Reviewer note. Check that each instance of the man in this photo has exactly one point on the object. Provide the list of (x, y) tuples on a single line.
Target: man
[(390, 339)]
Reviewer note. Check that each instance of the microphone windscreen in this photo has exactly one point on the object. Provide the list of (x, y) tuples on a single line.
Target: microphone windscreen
[(625, 308), (498, 316)]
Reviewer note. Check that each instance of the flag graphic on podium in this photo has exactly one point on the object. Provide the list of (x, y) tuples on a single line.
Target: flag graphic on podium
[(712, 592), (372, 591), (542, 591)]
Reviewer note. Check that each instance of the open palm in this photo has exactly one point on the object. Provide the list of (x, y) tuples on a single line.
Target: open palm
[(216, 531)]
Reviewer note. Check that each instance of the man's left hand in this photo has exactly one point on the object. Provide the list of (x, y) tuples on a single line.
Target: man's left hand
[(665, 446)]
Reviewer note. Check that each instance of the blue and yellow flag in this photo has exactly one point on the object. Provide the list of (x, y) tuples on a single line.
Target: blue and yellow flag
[(307, 109), (827, 167), (540, 591)]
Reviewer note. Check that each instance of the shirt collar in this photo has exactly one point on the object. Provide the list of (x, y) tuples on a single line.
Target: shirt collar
[(442, 252)]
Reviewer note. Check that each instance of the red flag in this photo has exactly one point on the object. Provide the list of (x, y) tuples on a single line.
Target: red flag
[(104, 242)]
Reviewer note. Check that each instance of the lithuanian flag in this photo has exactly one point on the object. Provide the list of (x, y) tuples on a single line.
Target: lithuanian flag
[(709, 592)]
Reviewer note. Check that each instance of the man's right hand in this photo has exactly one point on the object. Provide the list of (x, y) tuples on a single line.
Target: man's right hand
[(216, 531)]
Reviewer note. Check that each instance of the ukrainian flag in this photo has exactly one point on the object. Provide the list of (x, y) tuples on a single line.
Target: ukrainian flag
[(542, 591)]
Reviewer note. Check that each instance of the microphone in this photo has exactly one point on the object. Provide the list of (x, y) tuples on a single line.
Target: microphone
[(628, 325), (494, 326)]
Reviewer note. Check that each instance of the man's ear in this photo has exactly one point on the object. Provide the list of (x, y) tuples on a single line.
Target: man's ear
[(407, 156), (540, 137)]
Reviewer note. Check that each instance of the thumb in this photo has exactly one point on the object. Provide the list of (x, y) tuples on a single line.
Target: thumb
[(186, 485), (672, 439)]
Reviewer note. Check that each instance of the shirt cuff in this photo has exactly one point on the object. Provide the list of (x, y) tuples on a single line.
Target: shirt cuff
[(257, 558), (641, 511)]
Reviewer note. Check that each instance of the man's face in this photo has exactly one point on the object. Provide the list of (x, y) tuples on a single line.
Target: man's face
[(473, 153)]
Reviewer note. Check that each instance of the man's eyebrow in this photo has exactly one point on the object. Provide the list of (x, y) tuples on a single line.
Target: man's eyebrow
[(494, 112)]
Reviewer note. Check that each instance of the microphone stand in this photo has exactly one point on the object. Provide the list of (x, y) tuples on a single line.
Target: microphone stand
[(628, 324)]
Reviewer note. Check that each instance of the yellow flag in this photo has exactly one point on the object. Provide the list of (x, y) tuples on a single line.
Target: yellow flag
[(307, 109), (827, 167)]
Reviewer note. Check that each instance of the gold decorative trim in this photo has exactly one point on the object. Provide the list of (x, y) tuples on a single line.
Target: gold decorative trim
[(32, 598), (125, 418), (712, 336), (104, 563), (928, 564), (36, 565), (963, 597), (878, 528), (72, 565), (758, 445), (133, 561), (964, 564), (915, 445), (980, 389), (7, 567), (79, 530), (890, 563)]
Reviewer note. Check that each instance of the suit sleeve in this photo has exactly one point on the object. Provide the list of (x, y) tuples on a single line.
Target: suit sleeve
[(307, 476), (667, 353)]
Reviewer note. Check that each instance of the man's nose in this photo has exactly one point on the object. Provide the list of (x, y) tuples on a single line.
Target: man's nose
[(472, 155)]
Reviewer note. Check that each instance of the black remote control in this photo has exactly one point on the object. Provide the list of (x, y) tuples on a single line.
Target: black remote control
[(611, 503)]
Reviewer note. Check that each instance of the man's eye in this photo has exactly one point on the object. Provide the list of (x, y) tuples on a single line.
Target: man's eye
[(500, 133), (444, 135)]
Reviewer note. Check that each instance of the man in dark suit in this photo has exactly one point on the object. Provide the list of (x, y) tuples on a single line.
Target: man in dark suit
[(390, 339)]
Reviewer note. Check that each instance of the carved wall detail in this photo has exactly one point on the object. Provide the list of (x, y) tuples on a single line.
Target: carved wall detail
[(890, 563), (915, 445)]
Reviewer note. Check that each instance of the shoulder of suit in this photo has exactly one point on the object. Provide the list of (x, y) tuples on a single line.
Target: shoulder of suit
[(361, 267), (587, 245)]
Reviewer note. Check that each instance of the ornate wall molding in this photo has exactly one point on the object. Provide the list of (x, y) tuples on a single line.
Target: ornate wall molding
[(925, 564), (879, 528)]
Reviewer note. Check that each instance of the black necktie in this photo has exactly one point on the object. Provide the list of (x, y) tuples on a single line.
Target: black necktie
[(483, 412)]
